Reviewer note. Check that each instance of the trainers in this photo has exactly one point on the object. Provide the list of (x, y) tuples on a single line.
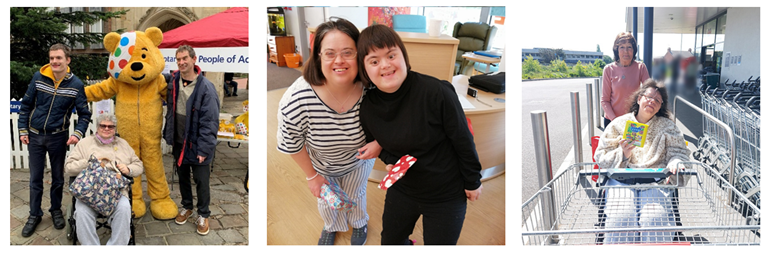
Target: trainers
[(183, 215), (359, 236), (327, 238), (202, 225), (58, 219), (31, 225)]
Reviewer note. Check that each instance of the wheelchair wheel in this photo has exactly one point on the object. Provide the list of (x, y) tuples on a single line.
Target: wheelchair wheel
[(70, 225)]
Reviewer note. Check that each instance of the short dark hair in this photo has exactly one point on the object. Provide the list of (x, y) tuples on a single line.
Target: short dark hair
[(376, 37), (62, 47), (621, 38), (188, 48), (658, 86), (312, 71)]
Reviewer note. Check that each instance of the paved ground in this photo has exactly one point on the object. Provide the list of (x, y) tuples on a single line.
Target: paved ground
[(229, 221)]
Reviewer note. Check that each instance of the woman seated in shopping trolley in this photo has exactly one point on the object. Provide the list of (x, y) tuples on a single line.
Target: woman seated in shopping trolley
[(664, 147), (105, 146)]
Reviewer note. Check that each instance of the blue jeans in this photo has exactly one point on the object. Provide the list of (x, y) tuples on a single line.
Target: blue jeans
[(442, 221), (56, 147), (638, 208)]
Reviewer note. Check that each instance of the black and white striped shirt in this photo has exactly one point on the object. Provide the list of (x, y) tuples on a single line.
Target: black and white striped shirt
[(332, 138)]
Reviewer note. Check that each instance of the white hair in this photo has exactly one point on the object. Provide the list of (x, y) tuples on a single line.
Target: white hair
[(108, 117)]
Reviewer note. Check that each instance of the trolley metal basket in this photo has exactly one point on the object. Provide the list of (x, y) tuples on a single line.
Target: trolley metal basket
[(703, 209)]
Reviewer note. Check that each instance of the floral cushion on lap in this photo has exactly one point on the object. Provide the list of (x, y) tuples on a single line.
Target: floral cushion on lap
[(398, 170), (336, 197), (98, 186)]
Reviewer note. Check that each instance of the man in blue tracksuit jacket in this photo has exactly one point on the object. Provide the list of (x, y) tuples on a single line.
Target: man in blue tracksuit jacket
[(192, 122), (44, 122)]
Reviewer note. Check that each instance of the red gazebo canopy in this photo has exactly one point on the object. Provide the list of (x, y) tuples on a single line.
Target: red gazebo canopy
[(229, 28)]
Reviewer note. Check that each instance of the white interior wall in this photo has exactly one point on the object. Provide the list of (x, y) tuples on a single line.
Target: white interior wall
[(356, 15)]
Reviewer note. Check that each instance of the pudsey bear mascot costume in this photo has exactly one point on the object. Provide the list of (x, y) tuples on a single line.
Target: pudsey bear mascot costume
[(135, 80)]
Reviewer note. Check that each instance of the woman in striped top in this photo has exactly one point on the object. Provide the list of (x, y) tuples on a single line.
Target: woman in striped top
[(319, 127)]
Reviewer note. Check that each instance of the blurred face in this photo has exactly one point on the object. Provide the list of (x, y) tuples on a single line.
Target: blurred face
[(386, 68), (185, 63), (106, 129), (57, 61), (625, 53), (650, 102), (338, 58)]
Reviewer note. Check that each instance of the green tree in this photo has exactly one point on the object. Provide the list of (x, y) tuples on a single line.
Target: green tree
[(35, 29), (580, 70), (549, 54), (559, 66), (599, 64), (607, 59), (530, 68)]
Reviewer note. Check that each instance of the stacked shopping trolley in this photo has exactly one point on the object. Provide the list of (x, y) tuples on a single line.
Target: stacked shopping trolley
[(738, 106)]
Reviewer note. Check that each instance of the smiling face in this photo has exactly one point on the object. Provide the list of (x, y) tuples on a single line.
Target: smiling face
[(58, 61), (338, 58), (135, 58), (185, 62), (650, 102), (106, 129), (386, 68)]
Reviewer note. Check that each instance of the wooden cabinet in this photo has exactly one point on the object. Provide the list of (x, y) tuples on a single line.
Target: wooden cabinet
[(278, 46)]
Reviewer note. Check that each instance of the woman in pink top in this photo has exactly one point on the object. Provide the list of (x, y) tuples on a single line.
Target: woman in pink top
[(621, 78)]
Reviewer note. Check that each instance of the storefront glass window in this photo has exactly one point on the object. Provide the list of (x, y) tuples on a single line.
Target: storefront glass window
[(720, 37), (709, 32), (699, 31)]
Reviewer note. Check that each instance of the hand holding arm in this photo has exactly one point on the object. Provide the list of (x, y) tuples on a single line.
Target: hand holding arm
[(369, 151)]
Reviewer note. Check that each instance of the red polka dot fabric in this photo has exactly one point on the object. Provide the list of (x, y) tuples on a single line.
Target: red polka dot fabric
[(397, 171), (122, 55)]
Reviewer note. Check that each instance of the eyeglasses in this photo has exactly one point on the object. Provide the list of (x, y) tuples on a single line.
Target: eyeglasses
[(330, 55), (655, 100), (109, 127)]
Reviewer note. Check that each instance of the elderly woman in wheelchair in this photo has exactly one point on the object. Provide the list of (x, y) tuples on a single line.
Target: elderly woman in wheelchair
[(638, 202), (112, 158)]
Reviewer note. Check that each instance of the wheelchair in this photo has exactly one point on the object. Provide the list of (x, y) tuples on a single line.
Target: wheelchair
[(101, 220)]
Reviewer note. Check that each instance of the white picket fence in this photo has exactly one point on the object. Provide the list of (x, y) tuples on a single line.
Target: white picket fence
[(20, 154)]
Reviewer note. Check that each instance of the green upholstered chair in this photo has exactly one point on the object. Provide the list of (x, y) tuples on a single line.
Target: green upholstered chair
[(473, 36)]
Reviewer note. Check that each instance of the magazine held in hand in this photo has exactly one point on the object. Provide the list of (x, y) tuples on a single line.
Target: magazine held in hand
[(636, 132)]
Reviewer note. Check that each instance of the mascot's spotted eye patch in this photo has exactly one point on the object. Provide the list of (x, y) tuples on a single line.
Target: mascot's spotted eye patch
[(120, 58)]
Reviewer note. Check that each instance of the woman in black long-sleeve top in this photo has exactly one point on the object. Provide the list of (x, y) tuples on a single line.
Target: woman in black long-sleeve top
[(414, 114)]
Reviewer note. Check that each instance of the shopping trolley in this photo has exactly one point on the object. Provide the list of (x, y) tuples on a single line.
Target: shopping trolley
[(702, 209), (738, 106)]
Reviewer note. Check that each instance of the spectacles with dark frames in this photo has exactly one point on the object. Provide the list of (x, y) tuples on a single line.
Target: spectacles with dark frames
[(110, 127)]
